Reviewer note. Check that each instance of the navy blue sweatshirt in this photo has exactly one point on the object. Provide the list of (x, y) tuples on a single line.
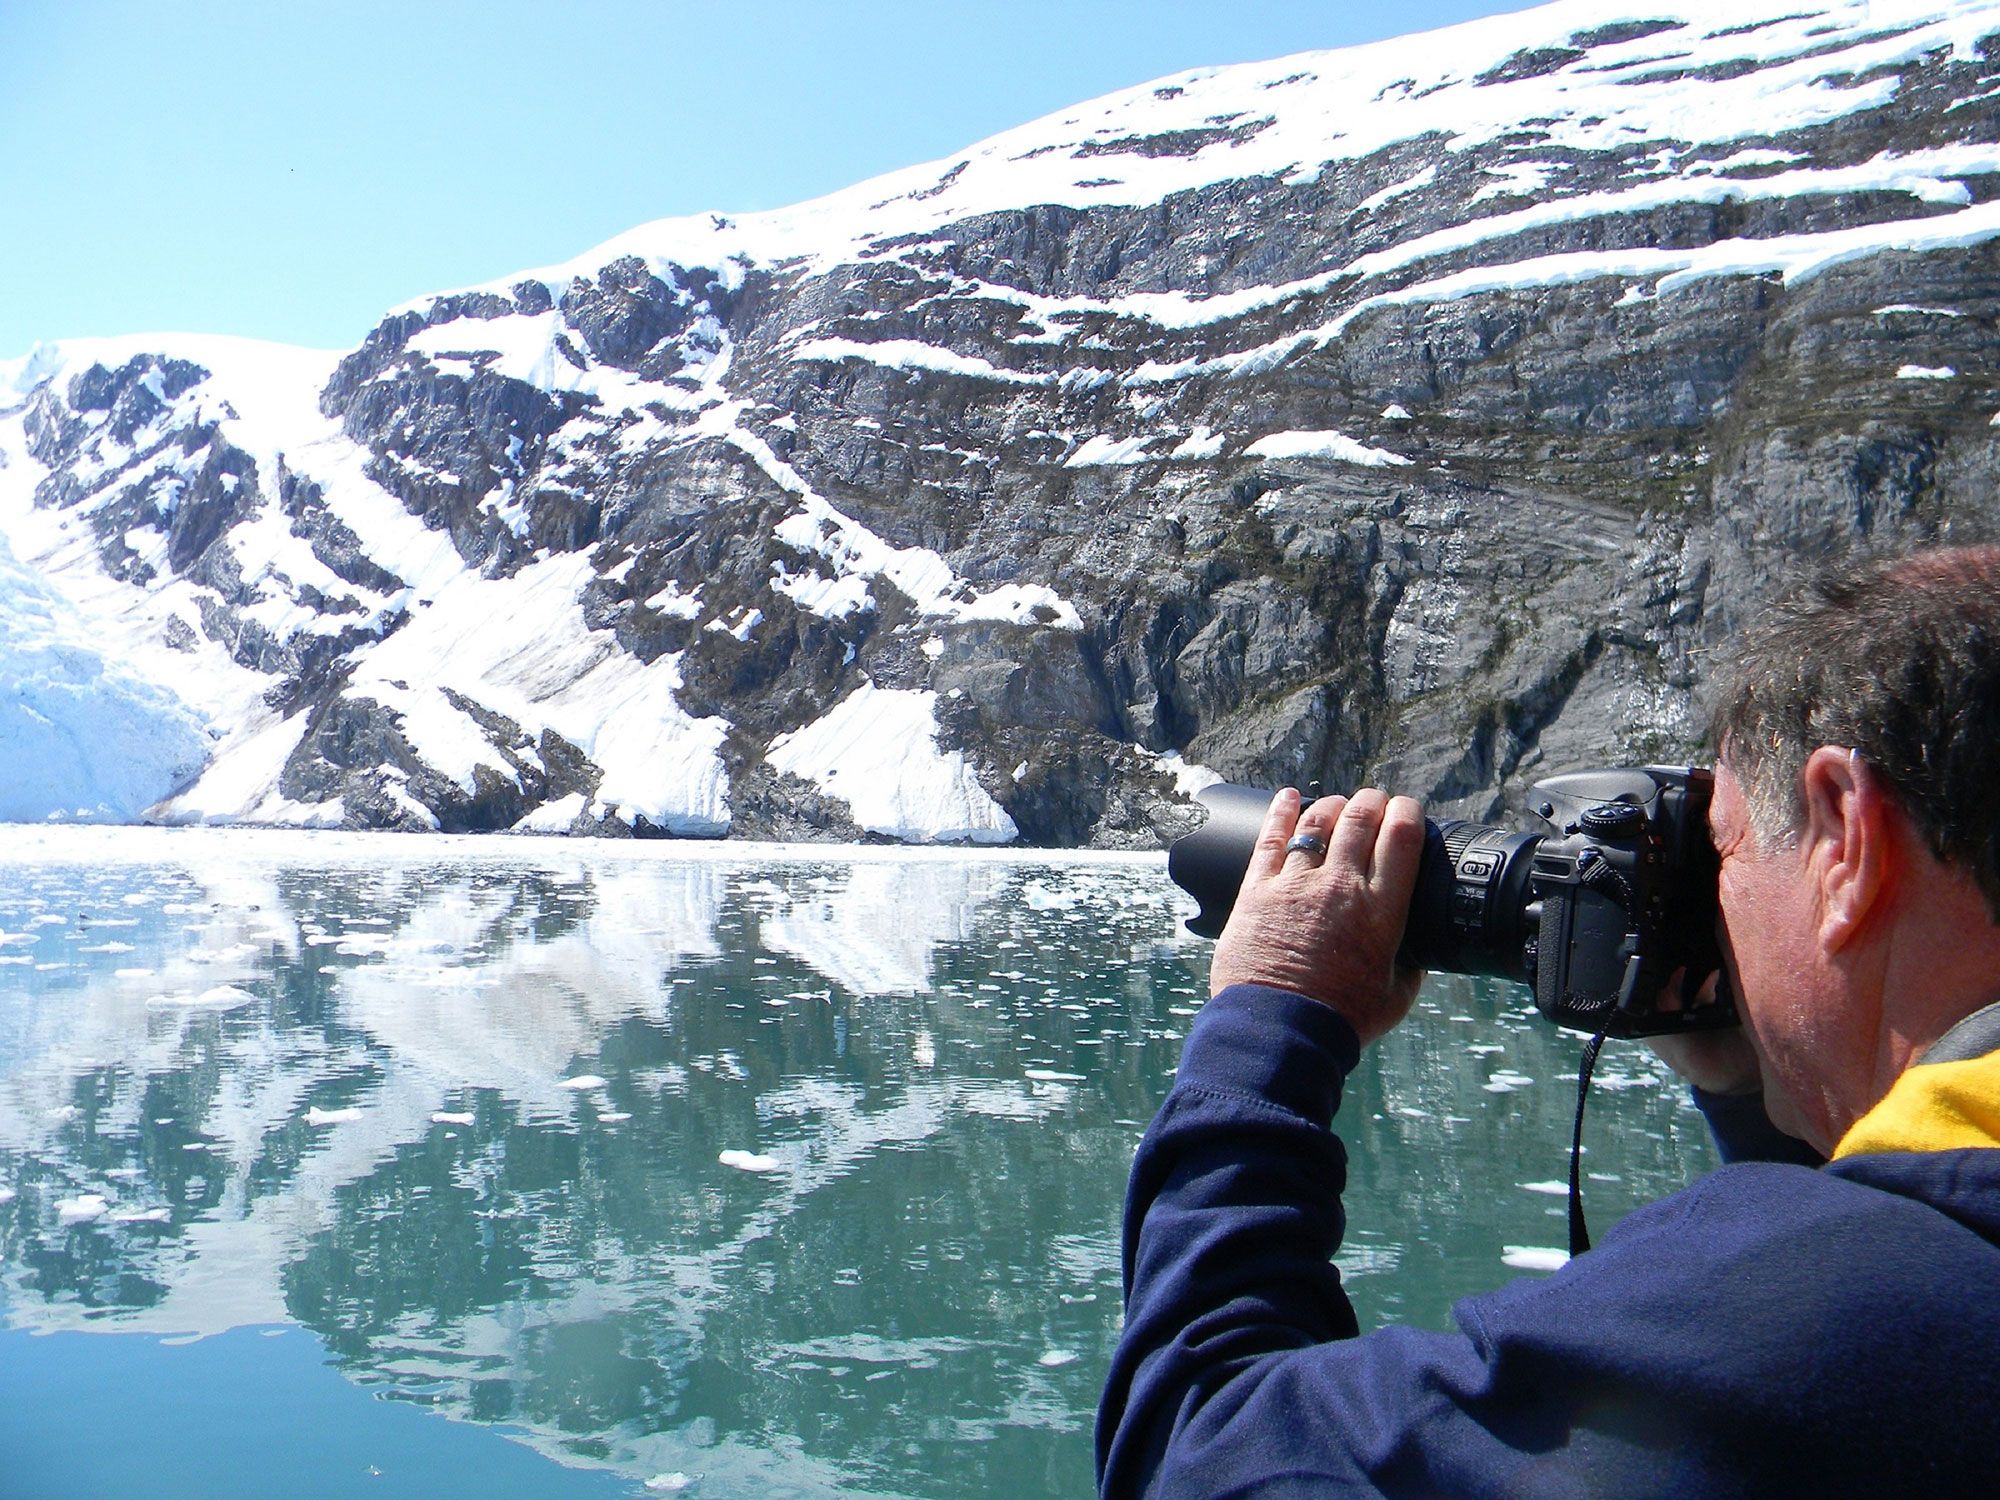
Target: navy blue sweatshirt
[(1773, 1329)]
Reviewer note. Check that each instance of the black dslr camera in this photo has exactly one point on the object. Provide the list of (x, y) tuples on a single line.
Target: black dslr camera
[(1596, 914)]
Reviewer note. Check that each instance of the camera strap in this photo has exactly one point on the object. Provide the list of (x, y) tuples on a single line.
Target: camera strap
[(1579, 1234)]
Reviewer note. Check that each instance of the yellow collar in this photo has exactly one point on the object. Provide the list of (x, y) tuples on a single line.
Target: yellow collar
[(1934, 1106)]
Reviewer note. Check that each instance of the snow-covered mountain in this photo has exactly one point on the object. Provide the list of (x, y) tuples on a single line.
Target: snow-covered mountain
[(1418, 411)]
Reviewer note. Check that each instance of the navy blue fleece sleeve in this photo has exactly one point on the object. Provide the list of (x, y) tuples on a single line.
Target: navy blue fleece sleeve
[(1744, 1132), (1231, 1220)]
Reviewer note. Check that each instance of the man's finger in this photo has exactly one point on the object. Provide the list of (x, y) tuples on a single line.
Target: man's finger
[(1269, 855), (1316, 819), (1353, 842), (1399, 847)]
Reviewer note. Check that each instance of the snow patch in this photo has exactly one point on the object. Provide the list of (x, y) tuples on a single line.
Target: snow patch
[(909, 354), (858, 557), (1109, 452), (1200, 444), (1189, 779), (1397, 190), (1334, 445), (519, 648), (877, 751)]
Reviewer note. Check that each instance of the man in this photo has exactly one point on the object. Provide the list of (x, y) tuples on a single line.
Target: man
[(1774, 1329)]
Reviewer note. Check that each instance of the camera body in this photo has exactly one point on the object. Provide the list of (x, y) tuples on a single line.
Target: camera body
[(1596, 911)]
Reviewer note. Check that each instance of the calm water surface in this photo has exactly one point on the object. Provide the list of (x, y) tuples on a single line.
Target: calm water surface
[(338, 1165)]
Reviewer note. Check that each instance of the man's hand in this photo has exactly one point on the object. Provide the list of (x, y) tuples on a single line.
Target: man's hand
[(1329, 928), (1716, 1062)]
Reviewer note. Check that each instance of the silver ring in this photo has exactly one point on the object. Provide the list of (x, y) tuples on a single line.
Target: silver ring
[(1307, 843)]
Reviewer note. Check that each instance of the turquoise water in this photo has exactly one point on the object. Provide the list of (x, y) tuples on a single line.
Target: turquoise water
[(380, 1166)]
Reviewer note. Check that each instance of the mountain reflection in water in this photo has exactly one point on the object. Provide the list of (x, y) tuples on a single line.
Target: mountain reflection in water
[(750, 1171)]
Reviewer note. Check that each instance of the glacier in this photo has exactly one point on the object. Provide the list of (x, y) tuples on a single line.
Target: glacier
[(82, 738)]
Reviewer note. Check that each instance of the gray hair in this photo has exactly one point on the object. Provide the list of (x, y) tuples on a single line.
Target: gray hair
[(1897, 659)]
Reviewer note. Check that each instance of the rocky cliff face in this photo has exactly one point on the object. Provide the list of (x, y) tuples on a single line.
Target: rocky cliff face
[(1420, 413)]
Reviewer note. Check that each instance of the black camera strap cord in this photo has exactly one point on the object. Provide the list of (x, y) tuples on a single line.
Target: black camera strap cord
[(1579, 1234)]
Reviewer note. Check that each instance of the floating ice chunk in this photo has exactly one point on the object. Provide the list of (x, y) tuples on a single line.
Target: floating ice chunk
[(611, 1116), (7, 1195), (1055, 1359), (317, 1117), (143, 1216), (582, 1082), (221, 997), (1041, 898), (1504, 1082), (1534, 1258), (671, 1484), (748, 1161), (81, 1209), (1050, 1075), (1557, 1189), (446, 1117)]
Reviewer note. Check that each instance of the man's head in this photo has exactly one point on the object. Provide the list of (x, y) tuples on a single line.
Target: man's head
[(1899, 661), (1857, 812)]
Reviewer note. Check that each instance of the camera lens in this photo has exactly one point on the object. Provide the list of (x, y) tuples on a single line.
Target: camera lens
[(1468, 913)]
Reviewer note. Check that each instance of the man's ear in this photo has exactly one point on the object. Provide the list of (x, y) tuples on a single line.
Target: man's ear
[(1849, 833)]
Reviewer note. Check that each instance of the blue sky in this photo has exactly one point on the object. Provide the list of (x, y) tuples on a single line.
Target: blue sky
[(289, 169)]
